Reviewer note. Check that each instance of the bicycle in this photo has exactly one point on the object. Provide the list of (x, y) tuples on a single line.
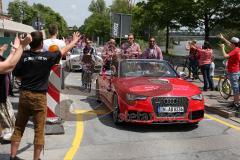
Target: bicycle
[(187, 70), (224, 85), (87, 76)]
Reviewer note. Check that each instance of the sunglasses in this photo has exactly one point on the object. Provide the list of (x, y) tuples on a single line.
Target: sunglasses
[(151, 41)]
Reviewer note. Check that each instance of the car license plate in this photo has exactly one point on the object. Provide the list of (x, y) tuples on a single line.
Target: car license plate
[(170, 109)]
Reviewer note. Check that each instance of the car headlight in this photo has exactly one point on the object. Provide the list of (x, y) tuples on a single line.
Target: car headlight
[(132, 97), (197, 97)]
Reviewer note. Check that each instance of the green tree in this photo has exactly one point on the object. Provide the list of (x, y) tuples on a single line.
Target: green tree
[(121, 6), (212, 13), (50, 16), (31, 12), (163, 14), (17, 7), (98, 6), (98, 24)]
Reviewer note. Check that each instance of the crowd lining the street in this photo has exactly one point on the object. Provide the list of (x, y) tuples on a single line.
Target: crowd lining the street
[(33, 66)]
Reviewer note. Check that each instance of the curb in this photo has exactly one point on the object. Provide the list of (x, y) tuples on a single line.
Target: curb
[(222, 112)]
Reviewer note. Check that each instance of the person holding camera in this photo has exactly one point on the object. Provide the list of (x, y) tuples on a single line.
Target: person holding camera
[(205, 56)]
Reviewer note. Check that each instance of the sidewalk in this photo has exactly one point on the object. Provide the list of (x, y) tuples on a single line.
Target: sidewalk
[(214, 103), (56, 146)]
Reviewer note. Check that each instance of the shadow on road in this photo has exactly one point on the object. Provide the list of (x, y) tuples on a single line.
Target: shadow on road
[(105, 117)]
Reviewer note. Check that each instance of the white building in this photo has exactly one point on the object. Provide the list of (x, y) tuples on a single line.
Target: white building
[(9, 28)]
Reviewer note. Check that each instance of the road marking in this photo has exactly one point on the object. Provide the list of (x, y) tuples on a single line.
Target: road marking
[(77, 139), (222, 122), (91, 112), (80, 130)]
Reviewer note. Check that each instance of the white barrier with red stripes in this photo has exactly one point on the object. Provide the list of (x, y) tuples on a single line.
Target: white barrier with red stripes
[(53, 94)]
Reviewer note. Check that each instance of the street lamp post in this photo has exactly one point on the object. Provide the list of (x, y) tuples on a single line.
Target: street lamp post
[(38, 22), (21, 13)]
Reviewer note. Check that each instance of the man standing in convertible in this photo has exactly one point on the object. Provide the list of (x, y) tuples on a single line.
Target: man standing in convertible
[(133, 50), (153, 51)]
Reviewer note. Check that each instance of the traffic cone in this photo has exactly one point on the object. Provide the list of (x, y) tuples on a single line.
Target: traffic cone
[(53, 121)]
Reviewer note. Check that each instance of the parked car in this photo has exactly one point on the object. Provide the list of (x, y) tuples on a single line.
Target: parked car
[(149, 91), (73, 60)]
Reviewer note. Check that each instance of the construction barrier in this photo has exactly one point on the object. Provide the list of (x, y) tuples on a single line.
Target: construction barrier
[(54, 122)]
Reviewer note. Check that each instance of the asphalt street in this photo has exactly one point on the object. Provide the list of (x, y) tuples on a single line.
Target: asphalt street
[(90, 134)]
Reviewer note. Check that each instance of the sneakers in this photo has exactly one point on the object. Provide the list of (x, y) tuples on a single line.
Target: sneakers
[(15, 158), (7, 134)]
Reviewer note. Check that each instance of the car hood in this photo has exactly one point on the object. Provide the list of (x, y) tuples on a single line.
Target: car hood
[(152, 86)]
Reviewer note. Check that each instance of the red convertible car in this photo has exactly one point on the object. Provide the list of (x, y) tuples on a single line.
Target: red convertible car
[(149, 91)]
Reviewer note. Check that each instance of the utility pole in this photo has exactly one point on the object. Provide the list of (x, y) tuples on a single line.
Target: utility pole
[(21, 13), (38, 22), (1, 10)]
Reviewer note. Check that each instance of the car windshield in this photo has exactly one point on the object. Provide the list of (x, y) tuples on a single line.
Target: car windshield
[(146, 68), (76, 51)]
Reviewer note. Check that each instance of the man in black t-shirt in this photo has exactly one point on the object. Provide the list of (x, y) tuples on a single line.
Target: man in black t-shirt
[(34, 69)]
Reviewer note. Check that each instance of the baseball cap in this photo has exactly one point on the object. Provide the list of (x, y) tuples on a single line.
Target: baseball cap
[(234, 40)]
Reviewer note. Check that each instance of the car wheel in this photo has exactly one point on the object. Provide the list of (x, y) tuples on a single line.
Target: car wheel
[(116, 111), (195, 124), (97, 93)]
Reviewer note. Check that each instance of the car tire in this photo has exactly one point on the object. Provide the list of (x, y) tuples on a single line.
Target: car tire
[(195, 124), (116, 111), (97, 93)]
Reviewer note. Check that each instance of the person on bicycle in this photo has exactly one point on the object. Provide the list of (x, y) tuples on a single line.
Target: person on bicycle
[(193, 61), (232, 66), (205, 56), (132, 49), (153, 51), (110, 54), (87, 60)]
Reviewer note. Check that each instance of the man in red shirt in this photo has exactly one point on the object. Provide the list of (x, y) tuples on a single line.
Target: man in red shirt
[(192, 57), (233, 66)]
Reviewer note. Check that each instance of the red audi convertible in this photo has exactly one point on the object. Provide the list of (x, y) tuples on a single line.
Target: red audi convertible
[(149, 91)]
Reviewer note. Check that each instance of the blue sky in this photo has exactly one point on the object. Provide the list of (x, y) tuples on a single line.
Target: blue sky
[(73, 11)]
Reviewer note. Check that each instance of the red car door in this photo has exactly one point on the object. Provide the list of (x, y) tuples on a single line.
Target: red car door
[(104, 86)]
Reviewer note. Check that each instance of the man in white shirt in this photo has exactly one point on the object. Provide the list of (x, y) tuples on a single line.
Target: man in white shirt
[(53, 43)]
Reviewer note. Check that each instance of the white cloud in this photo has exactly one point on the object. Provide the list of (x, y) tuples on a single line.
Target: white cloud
[(73, 6), (68, 9)]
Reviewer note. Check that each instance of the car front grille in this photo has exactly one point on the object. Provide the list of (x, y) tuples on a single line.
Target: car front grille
[(170, 102)]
